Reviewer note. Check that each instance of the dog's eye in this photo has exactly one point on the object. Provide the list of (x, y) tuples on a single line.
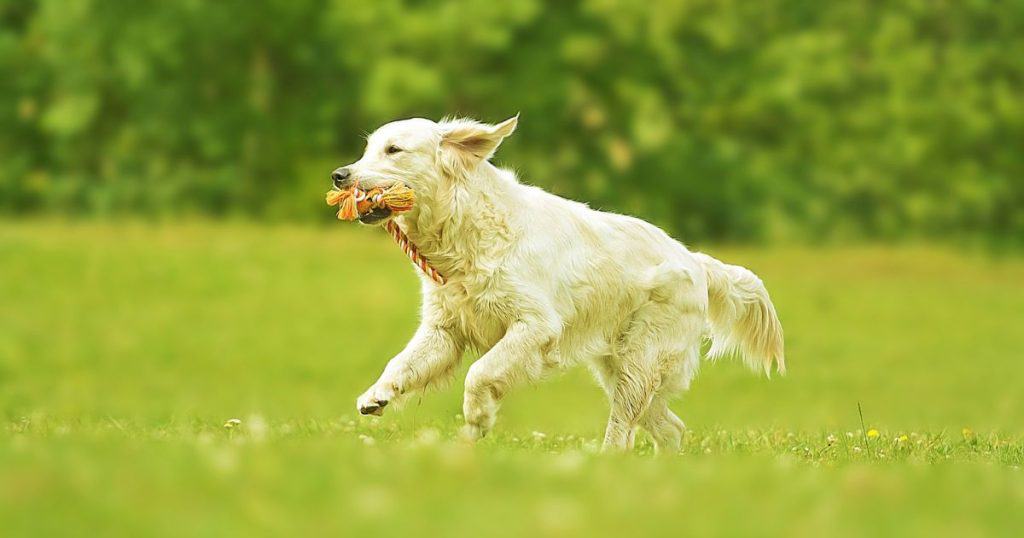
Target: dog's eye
[(392, 149)]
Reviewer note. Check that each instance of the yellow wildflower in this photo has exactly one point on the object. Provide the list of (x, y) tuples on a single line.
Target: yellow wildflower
[(873, 433)]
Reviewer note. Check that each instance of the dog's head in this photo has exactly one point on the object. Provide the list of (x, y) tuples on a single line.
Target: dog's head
[(424, 155)]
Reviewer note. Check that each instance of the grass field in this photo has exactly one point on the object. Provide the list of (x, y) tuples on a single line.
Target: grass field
[(125, 348)]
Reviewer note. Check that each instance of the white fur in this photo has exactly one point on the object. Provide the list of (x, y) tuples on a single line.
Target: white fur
[(538, 283)]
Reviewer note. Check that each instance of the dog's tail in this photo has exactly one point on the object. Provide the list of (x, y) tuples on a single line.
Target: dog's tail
[(742, 317)]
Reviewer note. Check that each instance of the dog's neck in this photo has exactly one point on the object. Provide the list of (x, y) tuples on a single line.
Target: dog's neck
[(464, 227)]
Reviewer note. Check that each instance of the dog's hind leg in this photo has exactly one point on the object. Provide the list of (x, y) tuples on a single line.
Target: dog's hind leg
[(607, 377), (678, 369), (634, 373), (663, 425), (655, 355), (631, 396)]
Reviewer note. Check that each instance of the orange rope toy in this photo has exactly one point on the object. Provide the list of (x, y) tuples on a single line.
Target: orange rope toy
[(354, 202)]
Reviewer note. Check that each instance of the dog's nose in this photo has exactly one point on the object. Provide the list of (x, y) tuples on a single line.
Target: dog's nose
[(341, 177)]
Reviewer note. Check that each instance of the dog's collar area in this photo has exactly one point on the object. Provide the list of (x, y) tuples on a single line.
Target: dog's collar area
[(412, 252)]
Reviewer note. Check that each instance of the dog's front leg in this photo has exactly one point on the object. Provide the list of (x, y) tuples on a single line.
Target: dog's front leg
[(432, 353), (521, 356)]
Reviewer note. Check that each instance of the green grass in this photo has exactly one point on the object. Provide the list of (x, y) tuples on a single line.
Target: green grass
[(125, 347)]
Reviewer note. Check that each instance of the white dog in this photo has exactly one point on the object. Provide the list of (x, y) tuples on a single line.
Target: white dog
[(537, 283)]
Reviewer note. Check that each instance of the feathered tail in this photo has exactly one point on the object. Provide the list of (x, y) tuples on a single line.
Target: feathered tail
[(742, 317)]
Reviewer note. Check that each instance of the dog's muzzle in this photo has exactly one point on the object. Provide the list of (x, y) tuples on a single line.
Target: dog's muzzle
[(342, 178)]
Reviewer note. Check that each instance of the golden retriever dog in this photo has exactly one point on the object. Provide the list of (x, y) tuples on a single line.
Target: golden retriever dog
[(537, 283)]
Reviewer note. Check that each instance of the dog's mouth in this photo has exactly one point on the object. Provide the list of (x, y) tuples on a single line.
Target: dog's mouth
[(375, 216), (380, 214)]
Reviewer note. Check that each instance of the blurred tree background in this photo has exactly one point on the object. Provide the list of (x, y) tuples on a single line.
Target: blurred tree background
[(724, 120)]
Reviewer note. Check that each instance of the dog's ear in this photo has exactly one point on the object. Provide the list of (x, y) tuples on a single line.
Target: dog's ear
[(475, 141)]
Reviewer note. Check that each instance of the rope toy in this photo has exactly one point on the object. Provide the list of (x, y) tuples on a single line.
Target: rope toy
[(355, 202)]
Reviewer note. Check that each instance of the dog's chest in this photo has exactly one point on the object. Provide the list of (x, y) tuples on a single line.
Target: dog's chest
[(478, 309)]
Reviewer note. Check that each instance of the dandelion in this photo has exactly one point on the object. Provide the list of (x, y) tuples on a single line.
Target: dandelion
[(873, 433), (902, 439), (232, 423), (967, 433)]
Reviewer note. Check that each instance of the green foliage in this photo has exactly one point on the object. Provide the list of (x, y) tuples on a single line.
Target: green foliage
[(718, 119)]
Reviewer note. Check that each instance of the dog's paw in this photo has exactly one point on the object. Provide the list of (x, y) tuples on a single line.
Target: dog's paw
[(375, 408), (373, 401), (471, 433)]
